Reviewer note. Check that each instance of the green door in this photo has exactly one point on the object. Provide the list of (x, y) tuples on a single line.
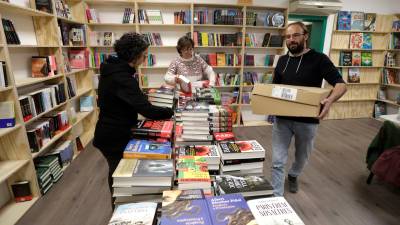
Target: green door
[(317, 28)]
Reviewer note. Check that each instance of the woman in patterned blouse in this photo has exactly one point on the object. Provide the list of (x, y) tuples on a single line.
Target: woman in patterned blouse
[(189, 65)]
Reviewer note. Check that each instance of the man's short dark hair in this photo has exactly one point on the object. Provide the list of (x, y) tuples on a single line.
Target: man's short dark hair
[(301, 25), (130, 46), (184, 43)]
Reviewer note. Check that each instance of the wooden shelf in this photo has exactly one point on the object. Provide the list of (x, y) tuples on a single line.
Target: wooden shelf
[(5, 131), (33, 46), (81, 116), (362, 83), (359, 31), (9, 88), (80, 93), (390, 102), (74, 71), (87, 137), (43, 113), (356, 100), (358, 49), (393, 67), (393, 50), (73, 46), (110, 2), (34, 80), (218, 25), (20, 10), (52, 141), (392, 85), (258, 67), (112, 24), (164, 25), (226, 67), (162, 46), (265, 28), (70, 20), (12, 211), (9, 167), (265, 48), (101, 46), (237, 47), (371, 67)]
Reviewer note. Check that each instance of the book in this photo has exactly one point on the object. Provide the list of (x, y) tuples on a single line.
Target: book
[(153, 128), (356, 40), (366, 59), (241, 150), (44, 5), (183, 207), (3, 75), (86, 103), (345, 58), (21, 191), (134, 213), (229, 209), (370, 21), (40, 66), (134, 172), (354, 75), (367, 41), (344, 20), (356, 58), (7, 114), (357, 20), (246, 185), (209, 152), (185, 84), (274, 210), (144, 149)]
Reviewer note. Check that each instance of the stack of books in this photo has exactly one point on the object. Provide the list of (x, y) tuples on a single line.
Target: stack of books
[(242, 157), (163, 96), (158, 130), (44, 179), (193, 174), (50, 164), (64, 152), (141, 180), (209, 152)]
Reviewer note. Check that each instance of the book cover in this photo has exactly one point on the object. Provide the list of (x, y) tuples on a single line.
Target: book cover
[(344, 20), (345, 58), (356, 58), (154, 168), (354, 75), (159, 128), (147, 149), (86, 103), (357, 20), (370, 21), (44, 5), (274, 210), (366, 59), (228, 184), (184, 207), (134, 213), (7, 114), (230, 209), (40, 67), (367, 41), (356, 40)]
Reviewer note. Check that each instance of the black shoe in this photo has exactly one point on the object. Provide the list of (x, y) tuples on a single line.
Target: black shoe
[(293, 185)]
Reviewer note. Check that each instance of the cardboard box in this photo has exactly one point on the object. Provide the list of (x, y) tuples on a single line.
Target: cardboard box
[(287, 100)]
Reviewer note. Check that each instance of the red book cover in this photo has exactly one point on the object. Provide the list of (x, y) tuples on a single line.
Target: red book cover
[(224, 136), (213, 59), (159, 128)]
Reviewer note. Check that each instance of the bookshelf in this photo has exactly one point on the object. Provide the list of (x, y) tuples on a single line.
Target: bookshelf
[(360, 98), (39, 36), (110, 15)]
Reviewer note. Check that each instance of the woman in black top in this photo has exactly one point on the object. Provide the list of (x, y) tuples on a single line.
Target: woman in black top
[(120, 99)]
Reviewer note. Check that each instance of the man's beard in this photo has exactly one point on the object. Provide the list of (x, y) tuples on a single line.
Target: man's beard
[(297, 48)]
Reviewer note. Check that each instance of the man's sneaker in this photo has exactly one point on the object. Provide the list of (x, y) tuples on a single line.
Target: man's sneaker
[(293, 185)]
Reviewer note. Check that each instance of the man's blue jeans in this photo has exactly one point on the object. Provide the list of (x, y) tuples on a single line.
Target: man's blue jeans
[(282, 133)]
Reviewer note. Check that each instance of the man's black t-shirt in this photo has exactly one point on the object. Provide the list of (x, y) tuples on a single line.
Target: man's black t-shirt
[(309, 70)]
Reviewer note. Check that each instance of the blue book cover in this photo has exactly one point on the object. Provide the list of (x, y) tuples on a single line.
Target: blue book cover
[(148, 147), (367, 41), (184, 208), (230, 209), (344, 20), (357, 20)]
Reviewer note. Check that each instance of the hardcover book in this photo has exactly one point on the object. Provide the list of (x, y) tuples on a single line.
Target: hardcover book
[(134, 213), (274, 210), (230, 209), (357, 20), (246, 185), (143, 149), (344, 20)]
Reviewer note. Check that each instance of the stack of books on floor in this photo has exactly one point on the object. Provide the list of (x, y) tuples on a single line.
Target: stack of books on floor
[(193, 174), (48, 164), (242, 157), (209, 152), (163, 96), (137, 180)]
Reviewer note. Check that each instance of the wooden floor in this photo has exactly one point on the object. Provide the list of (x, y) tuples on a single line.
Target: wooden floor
[(332, 187)]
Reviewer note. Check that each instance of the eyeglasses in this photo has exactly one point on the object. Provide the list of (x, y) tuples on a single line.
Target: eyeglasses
[(187, 50), (295, 35)]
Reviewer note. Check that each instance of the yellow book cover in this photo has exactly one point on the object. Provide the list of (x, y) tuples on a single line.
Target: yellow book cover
[(221, 61), (204, 39), (125, 168)]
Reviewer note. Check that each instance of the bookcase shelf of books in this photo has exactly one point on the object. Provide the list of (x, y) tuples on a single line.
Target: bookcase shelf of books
[(389, 94), (359, 55), (27, 37)]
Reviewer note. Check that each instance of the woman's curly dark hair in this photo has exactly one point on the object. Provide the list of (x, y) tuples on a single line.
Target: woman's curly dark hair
[(184, 43), (130, 46)]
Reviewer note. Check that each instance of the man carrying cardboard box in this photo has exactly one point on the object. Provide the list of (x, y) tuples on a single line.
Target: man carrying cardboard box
[(302, 66)]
